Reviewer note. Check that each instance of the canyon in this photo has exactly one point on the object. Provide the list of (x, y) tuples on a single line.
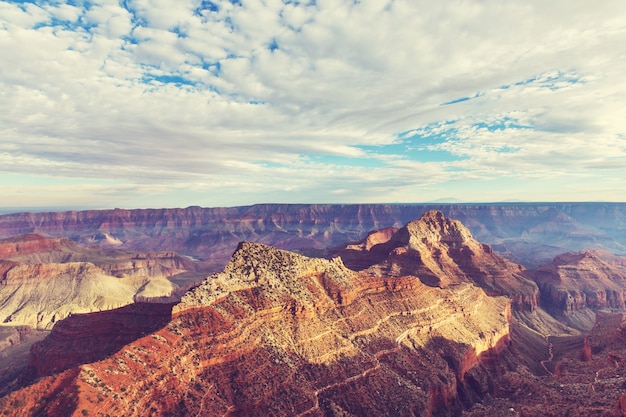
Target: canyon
[(415, 318), (278, 333)]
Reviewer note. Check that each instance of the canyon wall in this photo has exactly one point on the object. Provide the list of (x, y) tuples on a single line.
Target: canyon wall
[(527, 233), (420, 329), (575, 285)]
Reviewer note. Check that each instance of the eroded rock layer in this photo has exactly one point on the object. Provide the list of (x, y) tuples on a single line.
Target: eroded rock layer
[(575, 285), (278, 333), (585, 376)]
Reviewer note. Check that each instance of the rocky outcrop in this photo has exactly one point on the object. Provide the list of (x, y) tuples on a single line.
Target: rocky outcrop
[(277, 333), (589, 279), (442, 252)]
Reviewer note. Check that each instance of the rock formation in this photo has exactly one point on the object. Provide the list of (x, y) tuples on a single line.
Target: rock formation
[(278, 333), (530, 234), (420, 329), (575, 285), (587, 376), (441, 252), (43, 280), (85, 338)]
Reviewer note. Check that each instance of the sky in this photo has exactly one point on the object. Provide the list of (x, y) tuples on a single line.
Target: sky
[(172, 103)]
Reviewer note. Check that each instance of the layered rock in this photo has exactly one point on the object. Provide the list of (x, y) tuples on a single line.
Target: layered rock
[(442, 252), (585, 376), (574, 283), (531, 234), (278, 333), (31, 244), (43, 280), (84, 338)]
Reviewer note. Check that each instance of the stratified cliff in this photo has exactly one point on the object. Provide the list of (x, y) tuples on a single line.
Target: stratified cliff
[(574, 285), (278, 333), (530, 234), (586, 377)]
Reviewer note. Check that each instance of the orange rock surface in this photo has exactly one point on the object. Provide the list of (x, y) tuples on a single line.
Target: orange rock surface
[(442, 252)]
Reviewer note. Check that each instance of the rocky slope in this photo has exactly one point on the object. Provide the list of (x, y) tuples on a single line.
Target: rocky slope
[(278, 333), (43, 280), (530, 234), (84, 338), (441, 252), (585, 376), (575, 285)]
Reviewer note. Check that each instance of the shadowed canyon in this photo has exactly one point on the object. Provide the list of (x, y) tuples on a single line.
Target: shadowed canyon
[(380, 310)]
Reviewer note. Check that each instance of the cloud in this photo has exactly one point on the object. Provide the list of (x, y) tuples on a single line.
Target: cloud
[(335, 100)]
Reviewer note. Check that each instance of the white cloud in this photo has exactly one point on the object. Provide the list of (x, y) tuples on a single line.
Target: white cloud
[(264, 93)]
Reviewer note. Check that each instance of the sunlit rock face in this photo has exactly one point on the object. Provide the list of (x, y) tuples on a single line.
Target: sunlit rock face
[(441, 252), (417, 329), (43, 280), (277, 333)]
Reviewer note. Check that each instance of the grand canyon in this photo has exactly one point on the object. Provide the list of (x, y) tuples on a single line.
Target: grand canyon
[(511, 309)]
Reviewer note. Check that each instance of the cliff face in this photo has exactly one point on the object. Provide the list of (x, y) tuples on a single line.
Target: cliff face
[(585, 377), (278, 333), (441, 252), (589, 279), (530, 234)]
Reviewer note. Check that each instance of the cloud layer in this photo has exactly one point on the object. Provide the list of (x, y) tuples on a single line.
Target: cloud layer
[(157, 103)]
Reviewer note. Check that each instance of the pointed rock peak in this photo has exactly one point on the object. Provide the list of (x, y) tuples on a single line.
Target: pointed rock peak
[(255, 265), (433, 226)]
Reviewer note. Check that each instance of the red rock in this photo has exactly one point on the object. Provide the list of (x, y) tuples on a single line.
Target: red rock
[(442, 252), (280, 334), (590, 279), (531, 234)]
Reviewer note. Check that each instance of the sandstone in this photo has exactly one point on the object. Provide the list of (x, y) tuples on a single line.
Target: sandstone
[(531, 234), (43, 280), (84, 338), (420, 329)]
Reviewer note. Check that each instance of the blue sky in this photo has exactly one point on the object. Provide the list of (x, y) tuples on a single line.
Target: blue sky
[(154, 103)]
